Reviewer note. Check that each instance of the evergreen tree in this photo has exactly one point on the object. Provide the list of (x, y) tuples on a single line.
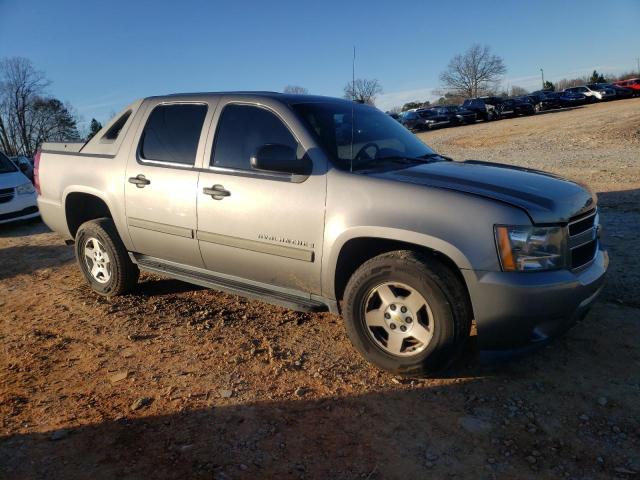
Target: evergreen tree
[(549, 86), (94, 127), (597, 78)]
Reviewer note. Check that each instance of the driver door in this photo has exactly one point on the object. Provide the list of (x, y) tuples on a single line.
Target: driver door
[(260, 226)]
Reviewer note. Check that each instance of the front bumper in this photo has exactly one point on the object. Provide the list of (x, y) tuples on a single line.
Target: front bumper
[(515, 309), (20, 207)]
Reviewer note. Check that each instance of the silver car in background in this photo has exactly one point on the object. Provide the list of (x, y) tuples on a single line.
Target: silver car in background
[(594, 92), (17, 194)]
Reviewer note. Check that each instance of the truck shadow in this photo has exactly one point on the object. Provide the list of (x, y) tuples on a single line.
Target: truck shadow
[(23, 228), (341, 437), (151, 285), (25, 259)]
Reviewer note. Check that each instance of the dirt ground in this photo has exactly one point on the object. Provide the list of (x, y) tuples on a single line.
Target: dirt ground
[(175, 381)]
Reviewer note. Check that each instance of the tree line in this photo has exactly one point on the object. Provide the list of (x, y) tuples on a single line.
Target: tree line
[(474, 73), (29, 115), (478, 72)]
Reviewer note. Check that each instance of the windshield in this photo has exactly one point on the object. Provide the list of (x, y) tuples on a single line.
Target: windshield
[(6, 165), (377, 138)]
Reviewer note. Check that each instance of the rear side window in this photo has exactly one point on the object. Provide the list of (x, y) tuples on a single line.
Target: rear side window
[(116, 128), (242, 129), (172, 133)]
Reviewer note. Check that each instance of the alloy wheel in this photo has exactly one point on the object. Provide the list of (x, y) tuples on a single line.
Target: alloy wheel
[(398, 319), (97, 260)]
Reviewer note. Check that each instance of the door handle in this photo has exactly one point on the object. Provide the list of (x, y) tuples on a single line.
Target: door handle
[(139, 181), (217, 192)]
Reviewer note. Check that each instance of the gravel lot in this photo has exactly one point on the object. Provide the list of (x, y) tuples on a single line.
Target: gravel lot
[(176, 381)]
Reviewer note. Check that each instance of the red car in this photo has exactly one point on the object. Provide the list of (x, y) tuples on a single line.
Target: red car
[(632, 83)]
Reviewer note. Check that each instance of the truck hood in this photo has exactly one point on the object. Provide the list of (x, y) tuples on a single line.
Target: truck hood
[(545, 197)]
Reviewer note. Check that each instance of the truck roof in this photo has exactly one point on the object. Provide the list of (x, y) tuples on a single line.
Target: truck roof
[(283, 97)]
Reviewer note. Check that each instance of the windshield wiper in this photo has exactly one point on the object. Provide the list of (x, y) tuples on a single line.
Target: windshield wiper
[(363, 164), (426, 156)]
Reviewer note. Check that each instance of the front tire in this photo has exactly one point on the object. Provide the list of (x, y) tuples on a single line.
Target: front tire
[(103, 258), (407, 313)]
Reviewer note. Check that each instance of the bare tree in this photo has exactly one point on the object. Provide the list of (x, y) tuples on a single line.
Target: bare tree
[(27, 116), (473, 73), (296, 89), (20, 84), (363, 90), (517, 91)]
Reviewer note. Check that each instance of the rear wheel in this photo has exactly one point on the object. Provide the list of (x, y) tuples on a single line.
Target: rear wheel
[(103, 258), (407, 313)]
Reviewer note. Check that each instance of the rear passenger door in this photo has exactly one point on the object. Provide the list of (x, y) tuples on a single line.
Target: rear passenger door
[(261, 226), (161, 181)]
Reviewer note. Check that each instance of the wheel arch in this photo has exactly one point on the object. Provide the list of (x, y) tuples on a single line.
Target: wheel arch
[(82, 206), (356, 249)]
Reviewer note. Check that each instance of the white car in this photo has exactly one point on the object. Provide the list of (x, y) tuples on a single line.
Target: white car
[(594, 92), (17, 194)]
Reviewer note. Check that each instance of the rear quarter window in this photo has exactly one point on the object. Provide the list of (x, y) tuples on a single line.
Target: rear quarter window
[(115, 129)]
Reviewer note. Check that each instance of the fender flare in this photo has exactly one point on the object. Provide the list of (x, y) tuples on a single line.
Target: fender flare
[(385, 233), (116, 214)]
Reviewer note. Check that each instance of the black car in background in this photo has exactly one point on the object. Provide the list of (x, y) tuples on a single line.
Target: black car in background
[(545, 100), (426, 119), (621, 92), (435, 117), (484, 108), (412, 121), (512, 107), (459, 115), (572, 99)]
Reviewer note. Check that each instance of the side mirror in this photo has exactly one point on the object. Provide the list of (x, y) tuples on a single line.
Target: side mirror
[(280, 158)]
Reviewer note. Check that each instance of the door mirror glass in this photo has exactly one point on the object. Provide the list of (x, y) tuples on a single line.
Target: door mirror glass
[(280, 158)]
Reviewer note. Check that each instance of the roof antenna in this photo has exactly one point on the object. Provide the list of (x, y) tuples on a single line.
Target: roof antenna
[(353, 99)]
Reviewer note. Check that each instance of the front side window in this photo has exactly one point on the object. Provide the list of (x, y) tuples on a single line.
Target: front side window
[(242, 130), (172, 133)]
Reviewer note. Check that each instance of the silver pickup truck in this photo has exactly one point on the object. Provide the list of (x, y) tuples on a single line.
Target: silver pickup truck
[(317, 203)]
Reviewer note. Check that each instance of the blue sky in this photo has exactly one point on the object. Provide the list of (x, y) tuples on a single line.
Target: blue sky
[(102, 55)]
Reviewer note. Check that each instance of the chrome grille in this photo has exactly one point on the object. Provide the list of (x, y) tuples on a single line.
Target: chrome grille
[(6, 194), (583, 238)]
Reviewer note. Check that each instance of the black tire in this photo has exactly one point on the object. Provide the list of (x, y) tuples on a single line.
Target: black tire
[(123, 273), (446, 296)]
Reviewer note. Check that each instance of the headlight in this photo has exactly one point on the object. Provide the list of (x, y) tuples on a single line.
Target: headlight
[(25, 188), (530, 248)]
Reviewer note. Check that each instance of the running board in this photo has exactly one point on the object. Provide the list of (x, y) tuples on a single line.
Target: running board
[(234, 285)]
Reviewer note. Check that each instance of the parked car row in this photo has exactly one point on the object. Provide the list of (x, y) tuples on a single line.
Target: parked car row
[(495, 108)]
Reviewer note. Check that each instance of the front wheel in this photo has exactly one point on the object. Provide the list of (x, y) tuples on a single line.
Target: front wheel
[(407, 313), (103, 258)]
